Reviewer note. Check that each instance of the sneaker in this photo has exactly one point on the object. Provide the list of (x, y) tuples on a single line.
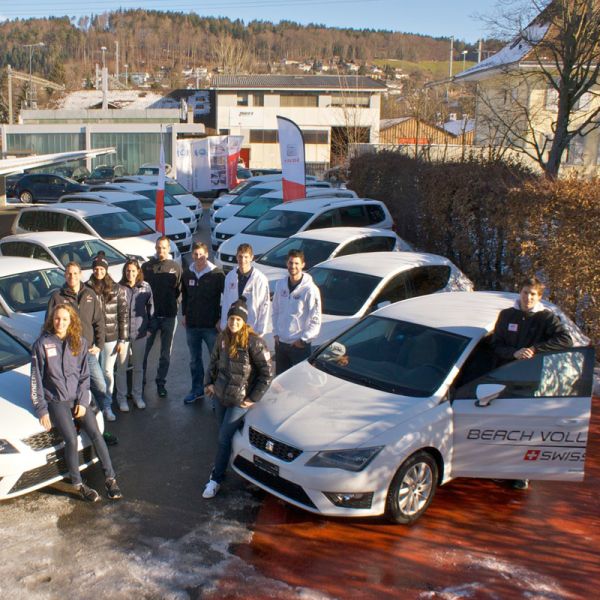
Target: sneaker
[(110, 439), (520, 484), (139, 403), (112, 489), (162, 391), (109, 415), (123, 406), (191, 398), (211, 489), (87, 493)]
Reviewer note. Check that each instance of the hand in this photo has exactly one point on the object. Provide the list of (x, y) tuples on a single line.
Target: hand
[(246, 403), (524, 353), (45, 422), (298, 344), (94, 350), (79, 411), (209, 390), (119, 348)]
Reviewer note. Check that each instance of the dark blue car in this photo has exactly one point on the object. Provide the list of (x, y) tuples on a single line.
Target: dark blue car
[(44, 187)]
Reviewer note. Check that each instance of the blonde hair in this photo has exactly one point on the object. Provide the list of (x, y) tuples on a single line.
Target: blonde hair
[(74, 331), (239, 339)]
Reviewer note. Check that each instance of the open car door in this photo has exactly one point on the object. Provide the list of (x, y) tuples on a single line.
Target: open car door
[(528, 419)]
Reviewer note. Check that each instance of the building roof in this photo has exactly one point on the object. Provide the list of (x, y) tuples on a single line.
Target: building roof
[(385, 123), (297, 82), (459, 126)]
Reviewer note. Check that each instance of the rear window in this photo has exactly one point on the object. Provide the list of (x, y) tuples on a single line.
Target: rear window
[(38, 220), (375, 213)]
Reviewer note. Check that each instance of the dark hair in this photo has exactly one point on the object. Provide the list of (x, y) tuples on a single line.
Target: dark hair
[(102, 287), (162, 238), (533, 283), (136, 264), (73, 263), (200, 246), (296, 253), (244, 248)]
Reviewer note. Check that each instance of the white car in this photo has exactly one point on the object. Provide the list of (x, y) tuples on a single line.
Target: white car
[(285, 220), (354, 286), (141, 207), (63, 247), (114, 225), (175, 208), (30, 457), (407, 399), (321, 244), (26, 285), (173, 187), (244, 215)]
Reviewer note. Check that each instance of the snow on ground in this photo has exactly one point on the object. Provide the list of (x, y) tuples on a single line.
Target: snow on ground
[(128, 99)]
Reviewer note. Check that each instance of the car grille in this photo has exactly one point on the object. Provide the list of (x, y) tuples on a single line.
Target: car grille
[(188, 220), (50, 471), (273, 447), (177, 236), (230, 258), (224, 236), (46, 439), (286, 488)]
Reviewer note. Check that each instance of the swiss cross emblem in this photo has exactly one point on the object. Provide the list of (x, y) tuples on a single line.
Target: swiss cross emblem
[(531, 455)]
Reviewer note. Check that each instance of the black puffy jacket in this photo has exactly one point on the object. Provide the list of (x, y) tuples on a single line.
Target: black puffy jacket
[(246, 375), (116, 313)]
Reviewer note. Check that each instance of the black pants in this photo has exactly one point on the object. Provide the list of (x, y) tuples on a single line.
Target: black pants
[(288, 355), (62, 418)]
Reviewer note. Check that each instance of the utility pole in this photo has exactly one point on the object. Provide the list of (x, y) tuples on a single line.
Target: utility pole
[(117, 61), (126, 74), (464, 53), (10, 108), (30, 90), (103, 49), (451, 53), (479, 51)]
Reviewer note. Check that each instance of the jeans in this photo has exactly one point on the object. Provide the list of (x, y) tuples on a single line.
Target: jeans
[(230, 419), (108, 358), (195, 336), (98, 383), (62, 418), (138, 348), (166, 327), (287, 355)]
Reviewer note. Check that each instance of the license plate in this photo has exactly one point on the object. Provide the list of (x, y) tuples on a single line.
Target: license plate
[(267, 466)]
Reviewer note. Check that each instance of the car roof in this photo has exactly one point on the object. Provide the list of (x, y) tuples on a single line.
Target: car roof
[(314, 204), (82, 209), (106, 196), (315, 192), (341, 234), (13, 265), (49, 238), (382, 264), (131, 186)]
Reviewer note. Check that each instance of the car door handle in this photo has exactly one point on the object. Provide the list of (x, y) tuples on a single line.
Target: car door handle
[(570, 422)]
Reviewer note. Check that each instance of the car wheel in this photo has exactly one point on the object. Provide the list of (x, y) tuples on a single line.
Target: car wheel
[(412, 488), (26, 197)]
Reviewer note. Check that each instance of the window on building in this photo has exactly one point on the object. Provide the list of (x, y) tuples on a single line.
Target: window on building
[(575, 151), (315, 137), (552, 99), (299, 100), (242, 99), (350, 99), (263, 136), (585, 101), (258, 99)]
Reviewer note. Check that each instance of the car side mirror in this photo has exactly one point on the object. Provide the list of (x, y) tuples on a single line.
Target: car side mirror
[(486, 392)]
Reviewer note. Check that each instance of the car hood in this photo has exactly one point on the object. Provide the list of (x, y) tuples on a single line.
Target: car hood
[(143, 245), (332, 326), (172, 226), (260, 244), (17, 417), (233, 225), (227, 211), (273, 274), (24, 326), (312, 410)]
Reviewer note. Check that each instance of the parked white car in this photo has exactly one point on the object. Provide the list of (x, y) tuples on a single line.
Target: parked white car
[(30, 457), (62, 247), (141, 207), (287, 219), (257, 208), (406, 400), (319, 245), (26, 285), (114, 225)]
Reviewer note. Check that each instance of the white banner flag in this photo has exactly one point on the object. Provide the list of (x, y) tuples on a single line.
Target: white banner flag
[(293, 170)]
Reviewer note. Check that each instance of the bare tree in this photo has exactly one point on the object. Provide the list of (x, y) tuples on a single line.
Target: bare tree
[(232, 55), (560, 70)]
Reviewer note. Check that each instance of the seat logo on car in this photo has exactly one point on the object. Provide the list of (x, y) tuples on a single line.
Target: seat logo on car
[(269, 446)]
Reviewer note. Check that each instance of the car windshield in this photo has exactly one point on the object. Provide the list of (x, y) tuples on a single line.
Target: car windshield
[(102, 172), (315, 251), (343, 293), (30, 291), (147, 171), (394, 356), (169, 200), (12, 354), (142, 209), (83, 252), (244, 173), (258, 208), (278, 223), (240, 187), (250, 195), (175, 189), (112, 226)]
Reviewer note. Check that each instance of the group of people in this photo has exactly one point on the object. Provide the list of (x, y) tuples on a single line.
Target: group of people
[(96, 329)]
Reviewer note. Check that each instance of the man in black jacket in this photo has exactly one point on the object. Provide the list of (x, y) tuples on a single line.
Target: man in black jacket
[(164, 276), (201, 305), (526, 329)]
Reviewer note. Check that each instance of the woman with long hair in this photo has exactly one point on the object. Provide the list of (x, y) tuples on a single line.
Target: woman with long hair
[(114, 307), (140, 310), (60, 392), (239, 374)]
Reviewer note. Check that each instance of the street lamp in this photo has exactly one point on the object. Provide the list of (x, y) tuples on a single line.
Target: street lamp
[(31, 47), (464, 53), (126, 74), (103, 56)]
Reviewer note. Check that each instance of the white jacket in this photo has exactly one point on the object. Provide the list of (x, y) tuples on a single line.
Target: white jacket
[(256, 293), (297, 316)]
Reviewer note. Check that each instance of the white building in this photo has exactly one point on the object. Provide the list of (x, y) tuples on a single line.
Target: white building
[(331, 110)]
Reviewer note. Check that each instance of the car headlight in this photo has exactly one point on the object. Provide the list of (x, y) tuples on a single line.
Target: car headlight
[(355, 459), (7, 448)]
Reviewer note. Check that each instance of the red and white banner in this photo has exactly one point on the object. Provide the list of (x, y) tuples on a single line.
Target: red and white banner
[(234, 146), (291, 147), (160, 192)]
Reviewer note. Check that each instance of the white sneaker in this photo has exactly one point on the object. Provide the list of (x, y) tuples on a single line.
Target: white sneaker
[(139, 403), (109, 415), (123, 406), (211, 489)]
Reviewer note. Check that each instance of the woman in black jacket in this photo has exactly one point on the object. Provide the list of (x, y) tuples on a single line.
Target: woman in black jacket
[(114, 306), (239, 374), (60, 392)]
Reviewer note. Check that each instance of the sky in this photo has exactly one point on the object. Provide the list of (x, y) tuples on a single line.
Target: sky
[(440, 18)]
